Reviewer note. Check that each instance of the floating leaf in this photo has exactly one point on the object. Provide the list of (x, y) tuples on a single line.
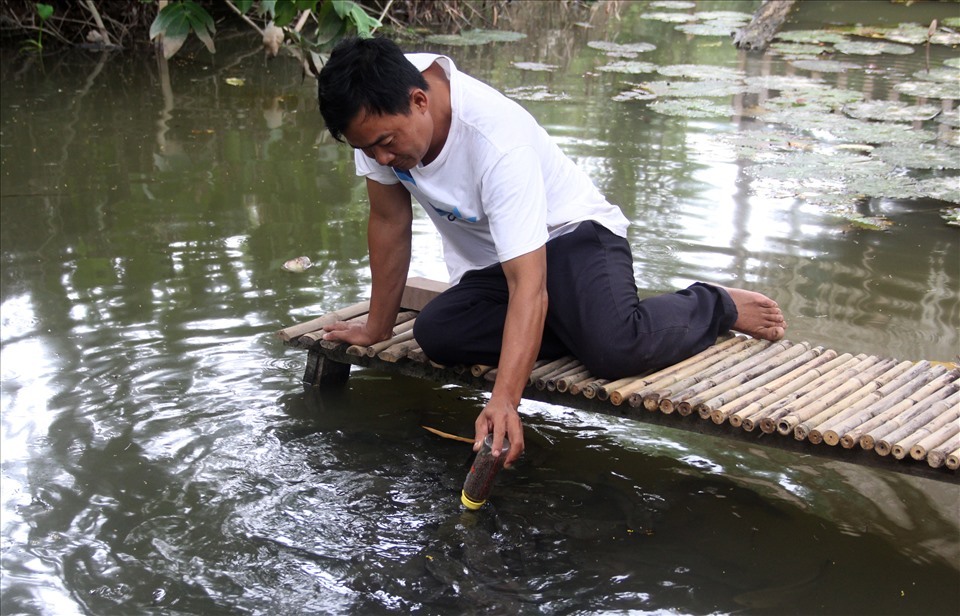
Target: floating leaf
[(535, 66), (943, 74), (949, 137), (235, 81), (928, 89), (710, 28), (890, 111), (694, 89), (815, 37), (676, 18), (730, 17), (634, 95), (824, 66), (534, 93), (628, 66), (919, 157), (870, 223), (872, 48), (677, 5), (953, 62), (944, 189), (628, 49), (795, 50), (692, 108), (475, 37), (701, 71), (763, 83)]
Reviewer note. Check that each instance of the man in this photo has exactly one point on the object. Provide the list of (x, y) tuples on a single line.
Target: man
[(538, 258)]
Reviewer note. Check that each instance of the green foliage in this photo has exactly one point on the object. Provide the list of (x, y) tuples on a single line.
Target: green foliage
[(334, 18), (44, 12)]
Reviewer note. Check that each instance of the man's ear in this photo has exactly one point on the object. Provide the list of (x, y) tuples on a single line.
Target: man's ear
[(418, 100)]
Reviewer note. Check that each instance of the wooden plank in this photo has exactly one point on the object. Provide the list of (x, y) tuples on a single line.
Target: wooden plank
[(419, 291)]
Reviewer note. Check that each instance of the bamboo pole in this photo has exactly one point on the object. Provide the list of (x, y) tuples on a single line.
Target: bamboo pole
[(934, 432), (345, 314), (937, 454), (875, 411), (928, 415), (749, 417), (734, 377), (953, 460), (890, 384), (398, 351), (905, 410), (564, 382), (546, 367), (760, 361), (691, 365), (652, 400), (401, 333), (847, 393), (781, 381), (831, 383), (590, 391), (479, 370), (578, 387), (540, 382), (604, 392), (553, 382)]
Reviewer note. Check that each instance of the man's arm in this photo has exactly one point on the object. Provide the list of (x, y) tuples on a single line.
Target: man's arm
[(522, 332), (389, 233)]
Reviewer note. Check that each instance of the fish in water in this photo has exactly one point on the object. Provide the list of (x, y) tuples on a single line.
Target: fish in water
[(298, 265)]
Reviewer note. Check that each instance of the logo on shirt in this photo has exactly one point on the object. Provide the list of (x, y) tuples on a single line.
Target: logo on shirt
[(454, 215), (404, 176)]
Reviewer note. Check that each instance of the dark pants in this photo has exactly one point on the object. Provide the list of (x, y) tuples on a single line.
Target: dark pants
[(594, 312)]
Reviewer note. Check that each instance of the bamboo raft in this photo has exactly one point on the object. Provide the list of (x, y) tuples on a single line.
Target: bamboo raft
[(903, 416)]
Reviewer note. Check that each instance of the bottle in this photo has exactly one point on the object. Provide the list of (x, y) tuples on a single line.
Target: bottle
[(482, 473)]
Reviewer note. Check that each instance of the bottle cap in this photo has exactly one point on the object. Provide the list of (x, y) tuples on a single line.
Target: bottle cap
[(472, 505)]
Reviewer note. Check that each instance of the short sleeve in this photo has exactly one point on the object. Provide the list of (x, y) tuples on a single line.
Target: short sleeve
[(369, 168), (515, 203)]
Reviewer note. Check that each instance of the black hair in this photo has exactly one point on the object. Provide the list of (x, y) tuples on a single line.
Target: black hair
[(370, 75)]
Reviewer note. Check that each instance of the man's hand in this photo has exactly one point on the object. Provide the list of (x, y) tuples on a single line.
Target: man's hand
[(352, 333), (500, 417)]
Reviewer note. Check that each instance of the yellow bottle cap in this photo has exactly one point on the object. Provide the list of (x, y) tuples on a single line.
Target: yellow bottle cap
[(468, 503)]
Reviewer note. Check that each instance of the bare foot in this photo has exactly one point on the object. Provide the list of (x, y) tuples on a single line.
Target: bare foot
[(758, 315)]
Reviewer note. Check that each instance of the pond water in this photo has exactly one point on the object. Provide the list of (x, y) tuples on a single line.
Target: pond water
[(160, 456)]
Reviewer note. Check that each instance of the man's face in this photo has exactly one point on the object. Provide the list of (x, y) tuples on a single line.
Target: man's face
[(399, 141)]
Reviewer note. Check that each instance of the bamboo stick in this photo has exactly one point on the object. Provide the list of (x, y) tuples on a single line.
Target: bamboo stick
[(546, 367), (711, 400), (603, 393), (590, 391), (540, 382), (891, 381), (716, 367), (937, 454), (953, 460), (917, 418), (578, 387), (691, 365), (295, 331), (830, 383), (934, 439), (922, 429), (873, 410), (749, 417), (552, 381), (398, 351), (564, 382), (750, 392), (764, 358), (847, 393), (905, 410), (479, 370), (401, 333)]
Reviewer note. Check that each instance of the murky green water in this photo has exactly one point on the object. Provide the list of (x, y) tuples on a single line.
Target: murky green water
[(159, 455)]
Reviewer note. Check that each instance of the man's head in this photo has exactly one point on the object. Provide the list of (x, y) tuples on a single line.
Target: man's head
[(365, 76)]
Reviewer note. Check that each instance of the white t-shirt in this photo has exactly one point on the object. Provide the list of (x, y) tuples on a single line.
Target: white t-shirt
[(500, 187)]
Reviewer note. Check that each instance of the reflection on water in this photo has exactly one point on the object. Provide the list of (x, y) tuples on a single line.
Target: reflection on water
[(159, 456)]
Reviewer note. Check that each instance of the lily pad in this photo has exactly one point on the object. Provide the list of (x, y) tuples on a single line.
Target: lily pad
[(919, 157), (814, 37), (535, 66), (951, 216), (840, 128), (890, 111), (762, 83), (822, 99), (730, 17), (704, 72), (475, 37), (949, 136), (535, 93), (676, 5), (628, 49), (691, 108), (942, 74), (950, 118), (872, 48), (693, 89), (928, 89), (628, 66), (954, 62), (709, 28), (944, 189), (824, 66), (796, 50), (634, 95), (916, 34), (675, 18)]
